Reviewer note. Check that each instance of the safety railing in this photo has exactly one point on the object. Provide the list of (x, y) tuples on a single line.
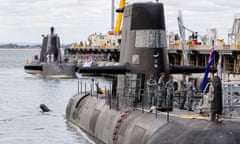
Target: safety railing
[(117, 98), (231, 96)]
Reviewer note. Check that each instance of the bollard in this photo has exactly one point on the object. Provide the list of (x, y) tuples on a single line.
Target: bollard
[(117, 101), (81, 87), (78, 86), (110, 100), (85, 88), (92, 87), (167, 108), (142, 103), (156, 112)]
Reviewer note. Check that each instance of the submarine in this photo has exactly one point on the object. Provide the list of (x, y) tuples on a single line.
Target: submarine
[(50, 63), (120, 117)]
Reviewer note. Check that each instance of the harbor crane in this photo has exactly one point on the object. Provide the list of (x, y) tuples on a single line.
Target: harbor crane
[(182, 35), (116, 29), (234, 34), (182, 29)]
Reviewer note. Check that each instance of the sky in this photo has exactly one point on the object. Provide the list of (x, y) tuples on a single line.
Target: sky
[(74, 20)]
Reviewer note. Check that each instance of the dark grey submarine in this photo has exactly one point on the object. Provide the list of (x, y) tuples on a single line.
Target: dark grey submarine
[(118, 118), (50, 64)]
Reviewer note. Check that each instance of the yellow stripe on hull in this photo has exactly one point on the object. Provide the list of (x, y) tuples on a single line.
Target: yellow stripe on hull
[(59, 76)]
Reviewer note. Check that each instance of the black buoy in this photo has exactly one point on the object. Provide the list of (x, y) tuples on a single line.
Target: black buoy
[(44, 108)]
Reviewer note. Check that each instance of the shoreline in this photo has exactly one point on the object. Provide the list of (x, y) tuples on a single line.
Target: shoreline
[(1, 49)]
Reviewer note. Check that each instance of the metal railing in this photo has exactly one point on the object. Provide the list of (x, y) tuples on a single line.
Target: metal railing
[(117, 98), (231, 96), (142, 99), (126, 97)]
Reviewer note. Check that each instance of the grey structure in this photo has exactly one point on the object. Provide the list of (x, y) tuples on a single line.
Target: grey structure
[(143, 53), (50, 46), (50, 64)]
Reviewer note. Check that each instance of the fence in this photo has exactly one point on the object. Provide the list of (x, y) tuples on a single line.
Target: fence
[(231, 96)]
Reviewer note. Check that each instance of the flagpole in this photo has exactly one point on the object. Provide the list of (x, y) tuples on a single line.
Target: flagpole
[(219, 66), (214, 58), (210, 61)]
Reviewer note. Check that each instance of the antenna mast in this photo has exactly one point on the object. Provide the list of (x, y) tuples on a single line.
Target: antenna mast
[(112, 18)]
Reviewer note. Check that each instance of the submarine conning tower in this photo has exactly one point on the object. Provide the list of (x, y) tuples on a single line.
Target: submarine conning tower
[(143, 51), (144, 44), (50, 46)]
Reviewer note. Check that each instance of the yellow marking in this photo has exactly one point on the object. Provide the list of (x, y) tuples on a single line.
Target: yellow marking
[(59, 76), (195, 116), (27, 61)]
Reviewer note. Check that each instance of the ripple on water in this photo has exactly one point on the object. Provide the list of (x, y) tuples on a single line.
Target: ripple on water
[(21, 121)]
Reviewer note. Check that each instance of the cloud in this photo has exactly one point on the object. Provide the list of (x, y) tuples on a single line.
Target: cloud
[(74, 20), (202, 15), (68, 16)]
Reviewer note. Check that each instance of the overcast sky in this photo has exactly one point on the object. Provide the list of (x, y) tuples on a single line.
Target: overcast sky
[(75, 20)]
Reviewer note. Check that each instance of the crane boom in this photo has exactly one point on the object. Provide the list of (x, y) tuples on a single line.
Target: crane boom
[(117, 28), (182, 34)]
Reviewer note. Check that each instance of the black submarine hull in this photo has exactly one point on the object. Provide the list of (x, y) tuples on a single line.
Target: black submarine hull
[(130, 126), (50, 64), (34, 69), (144, 53), (52, 70)]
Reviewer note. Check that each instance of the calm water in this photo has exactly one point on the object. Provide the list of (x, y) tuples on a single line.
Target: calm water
[(21, 121)]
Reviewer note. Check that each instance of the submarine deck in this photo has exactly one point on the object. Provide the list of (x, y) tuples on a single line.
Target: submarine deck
[(176, 113), (185, 114)]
